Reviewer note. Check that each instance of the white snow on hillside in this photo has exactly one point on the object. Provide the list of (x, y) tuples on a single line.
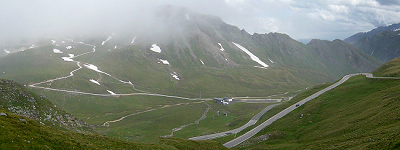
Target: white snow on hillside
[(260, 67), (187, 16), (68, 47), (175, 75), (222, 49), (133, 40), (164, 61), (372, 53), (252, 56), (92, 67), (111, 92), (53, 41), (94, 81), (201, 61), (8, 52), (63, 42), (106, 40), (115, 47), (155, 48), (68, 58), (57, 51), (32, 46), (270, 60)]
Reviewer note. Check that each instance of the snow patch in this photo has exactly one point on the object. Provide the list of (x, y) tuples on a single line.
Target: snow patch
[(53, 41), (222, 49), (226, 59), (32, 46), (164, 61), (201, 61), (133, 40), (94, 81), (270, 60), (68, 58), (57, 51), (155, 48), (106, 40), (8, 52), (187, 16), (68, 47), (372, 53), (92, 67), (63, 42), (260, 67), (111, 92), (398, 29), (115, 47), (252, 56), (175, 75)]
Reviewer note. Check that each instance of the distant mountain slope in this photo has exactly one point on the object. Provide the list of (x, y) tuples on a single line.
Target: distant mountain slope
[(356, 37), (361, 113), (384, 46), (343, 57), (190, 52)]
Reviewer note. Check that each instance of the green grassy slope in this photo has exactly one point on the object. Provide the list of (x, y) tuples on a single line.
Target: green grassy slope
[(22, 133), (361, 113), (39, 122), (389, 69)]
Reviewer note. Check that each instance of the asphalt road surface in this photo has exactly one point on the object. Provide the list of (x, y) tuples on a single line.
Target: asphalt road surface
[(257, 129), (250, 123)]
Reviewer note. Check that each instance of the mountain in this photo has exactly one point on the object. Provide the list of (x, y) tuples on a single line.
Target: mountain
[(356, 37), (385, 45), (361, 113), (141, 80), (351, 58), (381, 42)]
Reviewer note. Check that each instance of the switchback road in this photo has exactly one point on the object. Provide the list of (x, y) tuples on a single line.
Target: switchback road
[(234, 131)]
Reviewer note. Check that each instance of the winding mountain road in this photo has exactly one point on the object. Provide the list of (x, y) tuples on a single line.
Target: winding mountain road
[(257, 129), (248, 124)]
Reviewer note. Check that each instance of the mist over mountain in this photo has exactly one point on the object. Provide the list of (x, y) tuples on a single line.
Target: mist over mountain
[(201, 52), (153, 71)]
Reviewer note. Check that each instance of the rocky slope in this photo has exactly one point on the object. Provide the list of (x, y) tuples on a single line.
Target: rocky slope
[(17, 99)]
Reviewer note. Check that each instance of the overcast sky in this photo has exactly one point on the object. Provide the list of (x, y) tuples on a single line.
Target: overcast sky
[(300, 19)]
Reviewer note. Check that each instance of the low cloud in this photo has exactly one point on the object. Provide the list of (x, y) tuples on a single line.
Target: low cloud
[(301, 19)]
